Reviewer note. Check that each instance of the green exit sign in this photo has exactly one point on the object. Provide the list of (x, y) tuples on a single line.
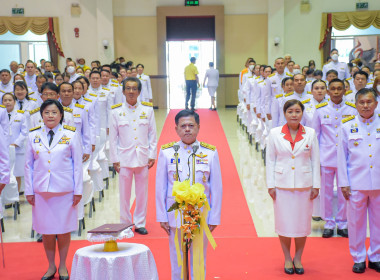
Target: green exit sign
[(18, 11), (191, 3), (362, 6)]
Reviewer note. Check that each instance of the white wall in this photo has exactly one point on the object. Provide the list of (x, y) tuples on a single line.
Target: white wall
[(91, 33)]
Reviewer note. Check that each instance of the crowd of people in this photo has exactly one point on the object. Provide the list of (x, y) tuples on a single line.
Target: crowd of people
[(317, 131)]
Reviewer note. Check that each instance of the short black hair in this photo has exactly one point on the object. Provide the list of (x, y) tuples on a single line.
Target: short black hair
[(336, 81), (41, 77), (365, 91), (211, 64), (5, 70), (192, 59), (317, 81), (77, 81), (23, 85), (310, 71), (334, 50), (64, 83), (84, 79), (8, 93), (132, 79), (186, 113), (284, 80), (94, 72), (332, 71), (292, 102), (104, 70), (51, 86), (107, 66), (318, 73), (97, 62), (116, 75), (361, 72), (53, 102), (140, 65)]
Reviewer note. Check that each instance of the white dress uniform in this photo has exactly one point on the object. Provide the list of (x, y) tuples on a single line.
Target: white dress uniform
[(133, 141), (89, 107), (273, 87), (27, 105), (74, 77), (4, 154), (359, 168), (293, 171), (53, 173), (350, 95), (340, 67), (250, 94), (35, 118), (31, 82), (8, 88), (146, 88), (275, 109), (326, 122), (117, 89), (212, 76), (207, 173), (310, 110), (18, 132)]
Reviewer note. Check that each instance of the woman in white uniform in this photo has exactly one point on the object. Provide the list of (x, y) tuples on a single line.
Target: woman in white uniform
[(17, 134), (293, 179), (23, 100), (53, 183)]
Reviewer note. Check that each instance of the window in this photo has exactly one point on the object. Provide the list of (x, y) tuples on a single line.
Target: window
[(20, 48)]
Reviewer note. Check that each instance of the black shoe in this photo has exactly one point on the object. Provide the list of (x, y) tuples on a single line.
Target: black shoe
[(343, 232), (8, 206), (39, 237), (64, 277), (141, 230), (359, 267), (210, 108), (289, 270), (214, 109), (298, 270), (49, 277), (327, 233), (317, 219), (374, 265), (21, 193)]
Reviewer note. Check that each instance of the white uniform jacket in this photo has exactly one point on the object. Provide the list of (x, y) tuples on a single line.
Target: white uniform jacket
[(104, 100), (212, 76), (27, 105), (18, 130), (8, 88), (133, 139), (31, 82), (57, 168), (208, 173), (35, 118), (80, 119), (273, 87), (297, 168), (93, 118), (358, 150), (340, 67), (4, 149), (146, 88)]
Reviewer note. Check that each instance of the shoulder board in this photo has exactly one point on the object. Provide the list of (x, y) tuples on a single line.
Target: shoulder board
[(308, 82), (271, 75), (258, 77), (34, 111), (321, 105), (150, 104), (208, 146), (31, 93), (79, 105), (279, 95), (72, 128), (33, 99), (348, 119), (368, 84), (94, 95), (21, 111), (261, 81), (67, 109), (88, 100), (2, 91), (350, 78), (34, 128), (105, 88), (2, 106), (348, 92), (289, 94), (114, 85), (115, 81), (166, 146), (305, 101), (288, 74), (309, 92), (350, 104), (116, 105)]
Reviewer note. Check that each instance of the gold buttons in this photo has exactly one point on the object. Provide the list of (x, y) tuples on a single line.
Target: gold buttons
[(336, 126), (135, 138), (370, 155), (336, 144), (185, 146), (136, 147), (336, 118), (293, 167), (336, 135), (48, 161), (133, 111), (369, 134), (48, 152), (49, 170), (134, 120), (369, 145), (371, 166), (367, 123), (134, 129), (337, 110), (293, 156), (188, 152)]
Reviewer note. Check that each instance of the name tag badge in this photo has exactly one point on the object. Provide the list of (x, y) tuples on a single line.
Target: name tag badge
[(201, 161), (173, 160), (377, 130), (64, 140)]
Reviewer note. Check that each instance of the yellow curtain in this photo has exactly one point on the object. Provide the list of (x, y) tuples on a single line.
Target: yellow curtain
[(21, 25), (361, 20)]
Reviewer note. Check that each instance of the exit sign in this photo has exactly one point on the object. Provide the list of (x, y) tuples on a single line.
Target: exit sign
[(362, 6), (18, 11), (191, 2)]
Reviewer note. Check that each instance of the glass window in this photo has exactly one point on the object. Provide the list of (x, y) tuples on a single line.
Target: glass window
[(12, 52)]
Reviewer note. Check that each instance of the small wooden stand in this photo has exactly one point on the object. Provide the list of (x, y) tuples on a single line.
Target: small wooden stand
[(110, 246)]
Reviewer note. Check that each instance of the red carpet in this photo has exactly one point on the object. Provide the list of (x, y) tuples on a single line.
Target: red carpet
[(240, 253)]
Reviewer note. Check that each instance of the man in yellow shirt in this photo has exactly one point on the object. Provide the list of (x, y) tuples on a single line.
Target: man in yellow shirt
[(191, 77)]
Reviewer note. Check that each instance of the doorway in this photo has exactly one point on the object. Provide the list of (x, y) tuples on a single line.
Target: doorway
[(178, 54)]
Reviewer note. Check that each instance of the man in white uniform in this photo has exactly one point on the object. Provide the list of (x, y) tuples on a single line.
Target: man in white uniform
[(359, 179), (207, 172), (146, 88), (212, 77), (340, 67), (13, 66), (133, 148), (6, 86), (71, 67), (360, 81), (30, 75)]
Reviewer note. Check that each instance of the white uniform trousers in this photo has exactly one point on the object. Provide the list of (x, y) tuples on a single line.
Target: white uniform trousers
[(141, 190), (357, 207), (211, 91), (176, 271), (327, 197)]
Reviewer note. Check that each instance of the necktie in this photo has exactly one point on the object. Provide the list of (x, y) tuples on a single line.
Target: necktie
[(20, 105), (51, 133), (77, 102), (9, 116)]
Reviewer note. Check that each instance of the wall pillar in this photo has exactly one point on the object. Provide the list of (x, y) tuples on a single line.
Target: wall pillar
[(276, 28)]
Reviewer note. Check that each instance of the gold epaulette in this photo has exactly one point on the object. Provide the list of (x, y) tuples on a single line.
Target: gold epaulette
[(79, 105), (34, 111), (116, 105), (114, 85), (351, 104), (308, 82), (2, 106), (72, 128), (348, 119), (150, 104), (33, 99), (309, 92), (305, 101), (21, 111), (34, 128), (350, 78), (31, 93), (93, 94), (208, 146), (67, 109), (289, 94), (258, 77), (348, 92), (279, 95), (321, 105), (169, 145), (271, 75), (115, 81), (105, 88), (88, 100), (2, 91), (261, 81), (288, 74)]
